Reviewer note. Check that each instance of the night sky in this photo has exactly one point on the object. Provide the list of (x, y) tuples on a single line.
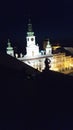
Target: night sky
[(51, 19)]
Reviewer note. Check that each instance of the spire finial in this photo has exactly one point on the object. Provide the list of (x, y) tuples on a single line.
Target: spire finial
[(29, 26), (29, 21), (9, 44), (8, 40)]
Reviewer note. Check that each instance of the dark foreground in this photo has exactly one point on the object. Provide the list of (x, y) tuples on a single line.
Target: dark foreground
[(41, 102)]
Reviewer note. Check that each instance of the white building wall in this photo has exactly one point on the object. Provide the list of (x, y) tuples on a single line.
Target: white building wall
[(10, 52)]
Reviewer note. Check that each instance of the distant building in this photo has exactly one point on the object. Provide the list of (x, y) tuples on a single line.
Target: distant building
[(34, 57), (59, 60)]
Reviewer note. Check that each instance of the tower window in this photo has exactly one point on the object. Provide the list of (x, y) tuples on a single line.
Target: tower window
[(32, 39)]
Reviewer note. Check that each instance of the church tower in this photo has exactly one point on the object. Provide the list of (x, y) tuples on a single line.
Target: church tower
[(9, 49), (48, 48), (31, 49)]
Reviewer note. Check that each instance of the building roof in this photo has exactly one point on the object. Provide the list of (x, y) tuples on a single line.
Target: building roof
[(67, 51)]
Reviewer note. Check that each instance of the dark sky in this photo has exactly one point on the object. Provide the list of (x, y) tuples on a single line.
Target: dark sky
[(50, 18)]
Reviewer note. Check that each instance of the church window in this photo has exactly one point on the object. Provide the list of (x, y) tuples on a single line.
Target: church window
[(32, 39)]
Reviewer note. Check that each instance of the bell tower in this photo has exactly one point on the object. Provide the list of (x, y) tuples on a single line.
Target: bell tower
[(30, 35), (31, 49)]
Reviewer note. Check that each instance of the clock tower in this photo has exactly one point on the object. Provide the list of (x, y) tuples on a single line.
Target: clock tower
[(30, 35), (31, 49)]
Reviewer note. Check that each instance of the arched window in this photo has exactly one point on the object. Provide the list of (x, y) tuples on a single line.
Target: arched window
[(32, 39)]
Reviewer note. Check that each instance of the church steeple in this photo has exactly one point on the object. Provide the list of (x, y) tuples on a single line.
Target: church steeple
[(48, 48), (9, 49), (31, 49), (29, 31)]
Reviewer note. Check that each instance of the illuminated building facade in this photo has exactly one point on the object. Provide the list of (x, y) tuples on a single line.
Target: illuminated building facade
[(62, 63), (59, 62), (34, 57)]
